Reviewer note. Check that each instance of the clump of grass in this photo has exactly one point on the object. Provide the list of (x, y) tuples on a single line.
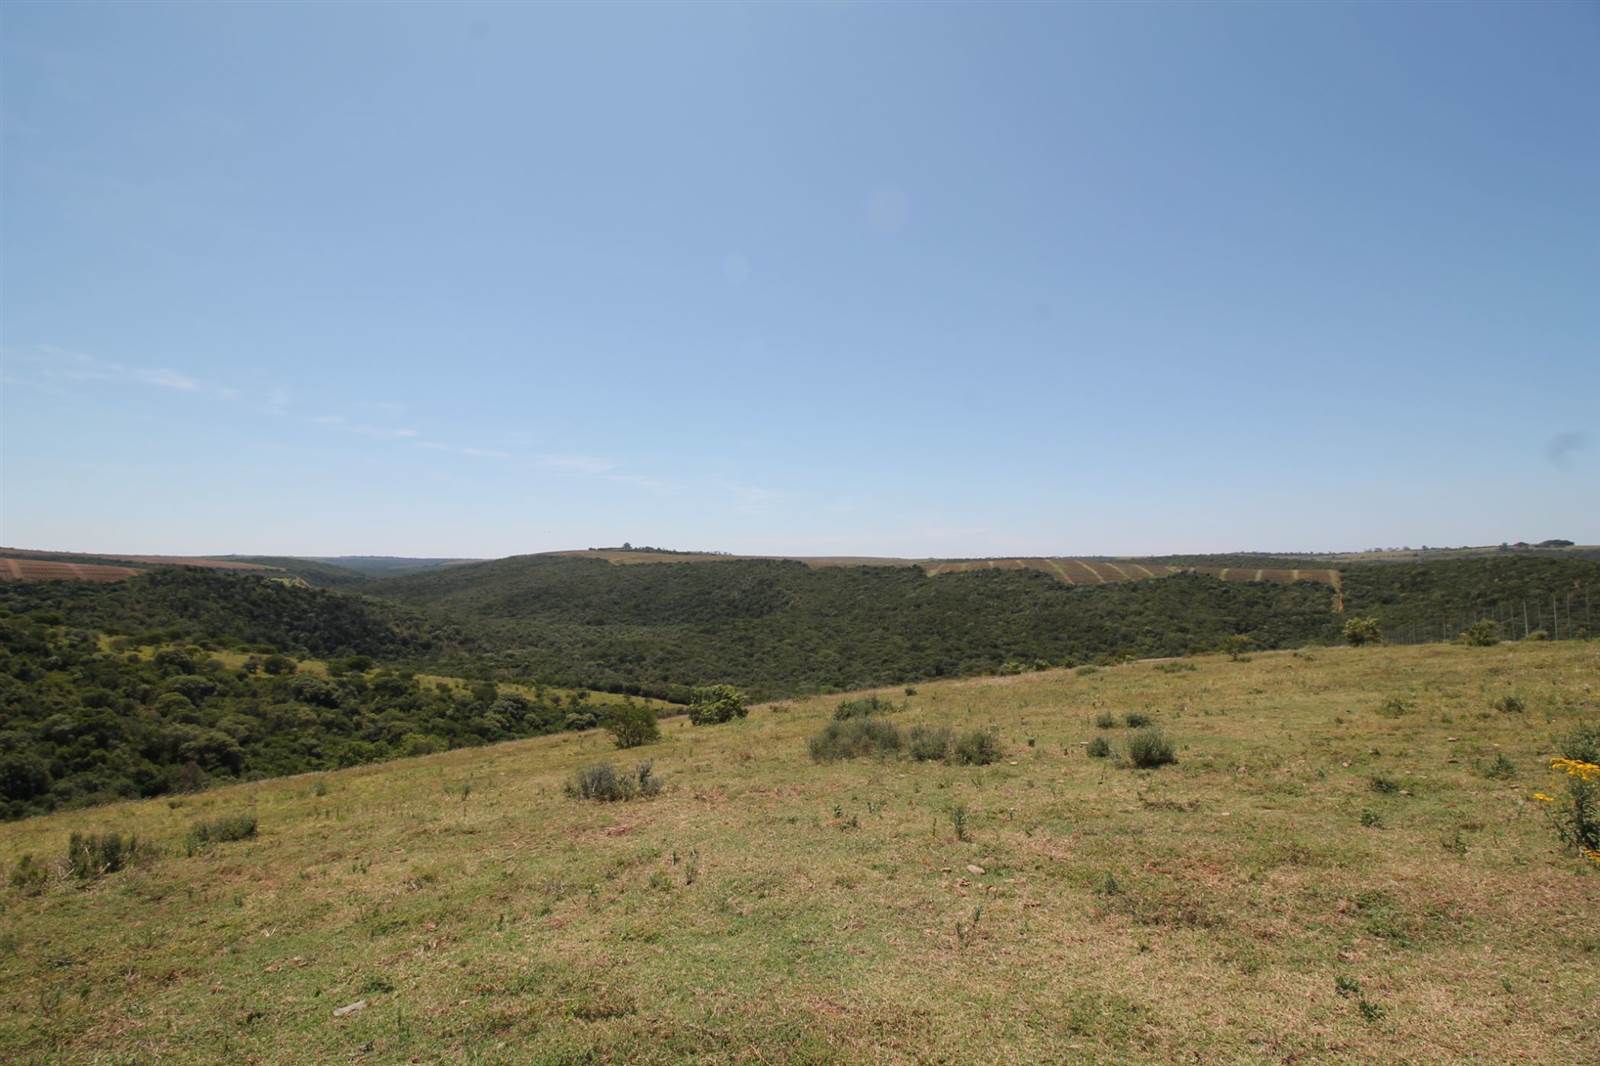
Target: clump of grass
[(1136, 720), (1383, 783), (93, 855), (1509, 704), (1177, 666), (854, 738), (958, 818), (220, 830), (1502, 769), (30, 876), (1346, 986), (1395, 707), (861, 708), (1105, 720), (1149, 748), (605, 784), (926, 744), (979, 747), (1099, 748), (1371, 818), (1087, 669)]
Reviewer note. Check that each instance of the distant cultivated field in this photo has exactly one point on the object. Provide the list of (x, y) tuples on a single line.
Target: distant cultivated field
[(24, 564), (1319, 878), (1071, 571), (25, 569)]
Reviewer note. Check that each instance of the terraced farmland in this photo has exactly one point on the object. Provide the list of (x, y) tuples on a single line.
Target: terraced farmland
[(12, 569)]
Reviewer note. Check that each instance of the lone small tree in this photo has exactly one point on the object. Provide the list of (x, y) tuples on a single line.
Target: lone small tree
[(714, 704), (631, 724), (1481, 634), (1236, 644), (1359, 631)]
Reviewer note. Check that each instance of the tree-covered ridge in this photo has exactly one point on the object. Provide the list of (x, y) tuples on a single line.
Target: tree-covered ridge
[(782, 627), (1437, 594), (81, 725), (187, 604)]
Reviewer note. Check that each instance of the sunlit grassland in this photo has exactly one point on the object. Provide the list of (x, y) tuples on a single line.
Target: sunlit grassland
[(1231, 907)]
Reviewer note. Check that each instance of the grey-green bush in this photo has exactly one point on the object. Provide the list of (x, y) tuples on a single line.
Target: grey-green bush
[(605, 784), (926, 744), (92, 855), (854, 738), (220, 830), (976, 748), (1150, 748), (1099, 748)]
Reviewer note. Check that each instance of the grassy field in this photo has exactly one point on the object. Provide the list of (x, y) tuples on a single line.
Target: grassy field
[(1317, 878)]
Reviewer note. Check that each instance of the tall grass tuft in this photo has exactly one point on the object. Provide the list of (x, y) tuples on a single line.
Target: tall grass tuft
[(219, 831), (1149, 748), (93, 855)]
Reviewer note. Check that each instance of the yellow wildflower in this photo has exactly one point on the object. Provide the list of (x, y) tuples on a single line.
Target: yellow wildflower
[(1584, 771), (1542, 798)]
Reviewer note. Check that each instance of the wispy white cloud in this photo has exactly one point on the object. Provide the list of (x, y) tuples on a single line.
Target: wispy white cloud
[(167, 378), (577, 464)]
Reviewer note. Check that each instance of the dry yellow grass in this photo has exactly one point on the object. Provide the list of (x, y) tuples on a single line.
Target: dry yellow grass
[(768, 909)]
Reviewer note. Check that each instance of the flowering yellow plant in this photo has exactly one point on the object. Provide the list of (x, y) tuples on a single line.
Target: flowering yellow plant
[(1583, 771)]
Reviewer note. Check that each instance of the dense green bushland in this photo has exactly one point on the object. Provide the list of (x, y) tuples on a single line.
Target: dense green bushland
[(1434, 596), (176, 603), (778, 628), (79, 725)]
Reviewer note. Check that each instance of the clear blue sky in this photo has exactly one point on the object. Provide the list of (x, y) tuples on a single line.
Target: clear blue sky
[(924, 280)]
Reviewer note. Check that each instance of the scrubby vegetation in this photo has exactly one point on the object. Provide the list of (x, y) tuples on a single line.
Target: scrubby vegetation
[(606, 784), (1149, 748), (715, 704), (631, 724), (854, 738), (220, 831), (780, 628), (81, 725)]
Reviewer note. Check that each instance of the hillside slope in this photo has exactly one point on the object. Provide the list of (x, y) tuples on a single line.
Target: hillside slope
[(783, 627), (1258, 900)]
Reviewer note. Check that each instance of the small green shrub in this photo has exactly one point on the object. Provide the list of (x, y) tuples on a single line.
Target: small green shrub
[(1136, 720), (1087, 669), (1371, 818), (631, 725), (1359, 631), (855, 738), (1395, 707), (926, 744), (1483, 634), (1150, 748), (92, 855), (862, 707), (219, 831), (1236, 644), (978, 747), (1176, 667), (715, 704), (1538, 634), (1099, 748), (959, 818), (1105, 720), (605, 784), (1384, 784), (1510, 704), (1581, 743), (30, 876), (1502, 769)]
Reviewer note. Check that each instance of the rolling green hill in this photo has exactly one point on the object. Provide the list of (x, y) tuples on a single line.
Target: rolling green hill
[(784, 627), (1315, 880)]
